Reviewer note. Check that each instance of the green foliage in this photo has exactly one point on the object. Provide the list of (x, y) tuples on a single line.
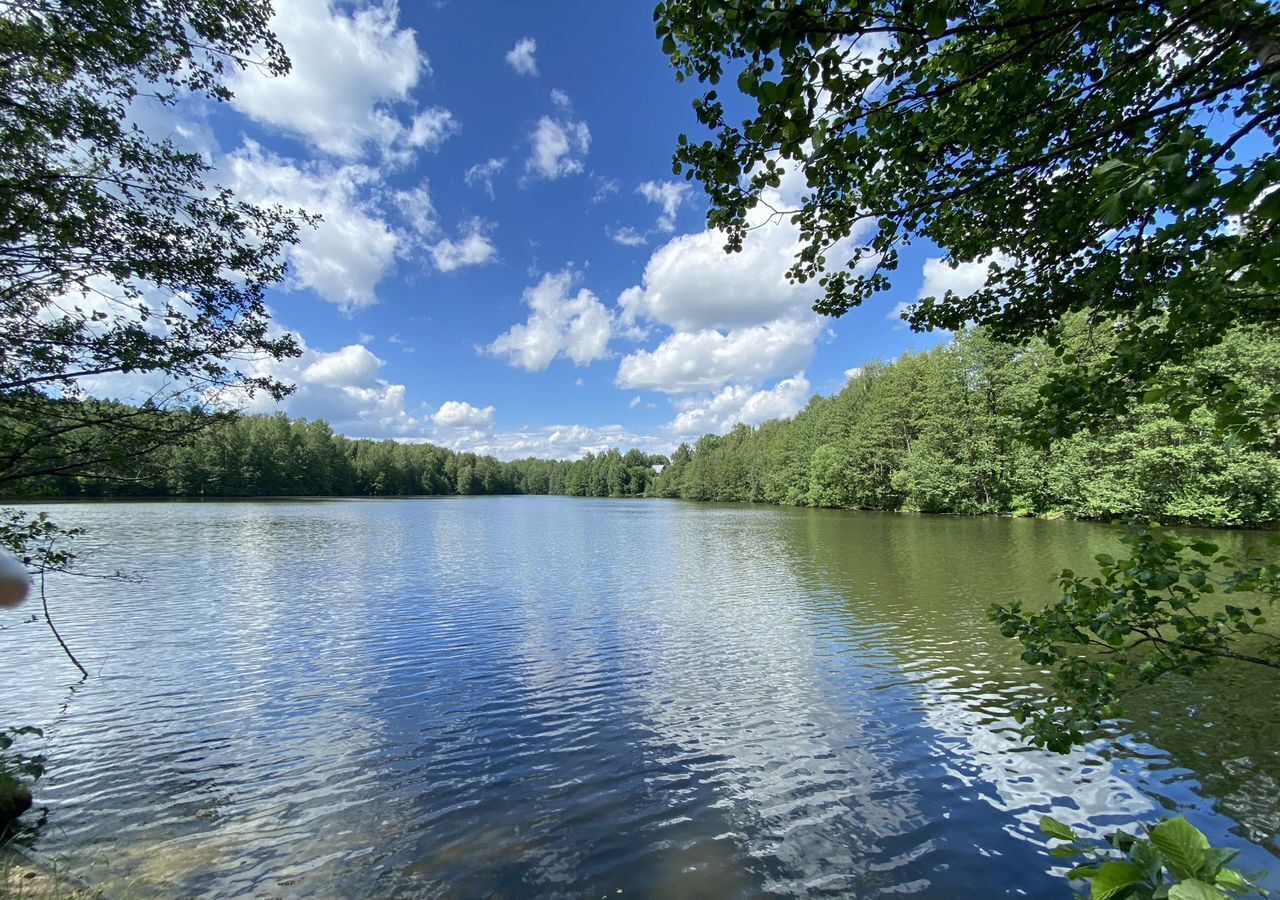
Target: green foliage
[(274, 456), (1172, 859), (939, 432), (18, 772), (1171, 606), (1065, 144), (118, 252), (37, 540)]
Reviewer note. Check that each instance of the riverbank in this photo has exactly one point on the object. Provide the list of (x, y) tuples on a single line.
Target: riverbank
[(25, 875)]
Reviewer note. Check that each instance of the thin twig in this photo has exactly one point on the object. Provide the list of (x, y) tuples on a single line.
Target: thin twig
[(44, 600)]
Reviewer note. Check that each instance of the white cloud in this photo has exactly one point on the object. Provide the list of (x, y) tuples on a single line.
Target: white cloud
[(352, 75), (401, 343), (963, 278), (635, 401), (855, 372), (708, 359), (667, 194), (605, 187), (482, 174), (737, 403), (561, 99), (734, 318), (418, 210), (431, 127), (554, 441), (899, 310), (354, 364), (691, 283), (341, 387), (473, 249), (520, 57), (576, 326), (557, 147), (351, 250), (941, 276), (457, 414), (627, 237)]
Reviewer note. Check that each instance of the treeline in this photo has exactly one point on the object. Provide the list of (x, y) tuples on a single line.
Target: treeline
[(274, 456), (932, 432), (938, 432)]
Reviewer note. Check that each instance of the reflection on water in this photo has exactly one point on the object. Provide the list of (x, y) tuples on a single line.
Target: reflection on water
[(520, 697)]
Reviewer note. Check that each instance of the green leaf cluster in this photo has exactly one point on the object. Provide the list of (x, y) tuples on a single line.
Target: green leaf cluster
[(1171, 860), (119, 252), (1169, 607), (1114, 158)]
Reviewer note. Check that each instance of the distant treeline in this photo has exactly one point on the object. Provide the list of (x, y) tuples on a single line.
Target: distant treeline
[(932, 432), (274, 456), (938, 432)]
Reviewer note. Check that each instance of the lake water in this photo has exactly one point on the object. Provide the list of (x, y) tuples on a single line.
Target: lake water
[(554, 697)]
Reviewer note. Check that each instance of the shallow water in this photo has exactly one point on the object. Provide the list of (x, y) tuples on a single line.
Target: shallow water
[(551, 697)]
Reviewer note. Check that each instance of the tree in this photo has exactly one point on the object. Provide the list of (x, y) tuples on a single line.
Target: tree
[(118, 253), (1114, 156)]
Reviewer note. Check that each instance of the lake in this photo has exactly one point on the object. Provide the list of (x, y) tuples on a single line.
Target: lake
[(556, 697)]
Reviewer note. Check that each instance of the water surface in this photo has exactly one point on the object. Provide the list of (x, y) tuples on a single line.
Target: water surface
[(554, 697)]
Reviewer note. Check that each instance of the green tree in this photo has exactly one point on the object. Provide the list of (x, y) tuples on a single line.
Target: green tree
[(118, 252), (1067, 145)]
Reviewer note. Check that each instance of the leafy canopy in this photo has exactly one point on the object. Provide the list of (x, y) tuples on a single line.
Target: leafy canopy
[(118, 253), (1114, 156)]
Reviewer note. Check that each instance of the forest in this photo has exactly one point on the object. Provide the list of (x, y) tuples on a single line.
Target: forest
[(941, 431), (936, 431)]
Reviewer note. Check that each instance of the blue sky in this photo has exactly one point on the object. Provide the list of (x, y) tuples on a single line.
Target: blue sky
[(507, 263)]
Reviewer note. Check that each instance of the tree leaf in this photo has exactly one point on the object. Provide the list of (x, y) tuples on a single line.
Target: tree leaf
[(1194, 889), (1056, 829), (1183, 846), (1112, 878)]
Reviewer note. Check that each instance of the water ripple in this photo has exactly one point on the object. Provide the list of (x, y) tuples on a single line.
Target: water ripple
[(545, 697)]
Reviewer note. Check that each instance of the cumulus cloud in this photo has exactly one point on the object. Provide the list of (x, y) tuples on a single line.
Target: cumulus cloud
[(738, 404), (962, 278), (554, 441), (691, 283), (353, 247), (704, 360), (473, 248), (351, 77), (941, 276), (667, 194), (458, 414), (482, 175), (733, 318), (342, 387), (352, 365), (560, 99), (576, 326), (520, 57), (557, 148)]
